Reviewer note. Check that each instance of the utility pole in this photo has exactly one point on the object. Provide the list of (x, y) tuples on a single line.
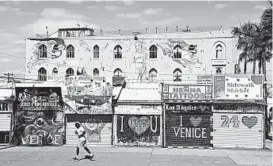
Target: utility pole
[(9, 74)]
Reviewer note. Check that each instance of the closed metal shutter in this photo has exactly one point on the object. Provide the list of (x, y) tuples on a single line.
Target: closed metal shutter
[(5, 120), (187, 130), (98, 129), (238, 130)]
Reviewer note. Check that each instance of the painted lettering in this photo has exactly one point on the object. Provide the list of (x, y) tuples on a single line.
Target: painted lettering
[(195, 133), (151, 124), (176, 130), (121, 123), (184, 132)]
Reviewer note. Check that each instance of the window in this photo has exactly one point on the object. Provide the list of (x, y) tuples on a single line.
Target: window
[(42, 51), (118, 52), (96, 72), (219, 51), (42, 74), (69, 72), (117, 72), (153, 52), (177, 52), (152, 74), (177, 74), (70, 52), (96, 50), (55, 71)]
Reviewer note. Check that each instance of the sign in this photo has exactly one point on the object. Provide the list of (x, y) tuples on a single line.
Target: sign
[(218, 62), (139, 110), (242, 88), (187, 130), (188, 92), (204, 80), (189, 108), (39, 98), (145, 130), (5, 106)]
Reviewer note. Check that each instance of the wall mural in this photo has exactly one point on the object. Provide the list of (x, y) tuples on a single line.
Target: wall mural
[(55, 48), (188, 60), (138, 129), (235, 120), (39, 118)]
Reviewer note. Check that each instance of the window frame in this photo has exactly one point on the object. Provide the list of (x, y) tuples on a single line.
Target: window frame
[(177, 76), (96, 72), (42, 76), (42, 51), (153, 52), (176, 52), (70, 52), (117, 52), (117, 70), (66, 72), (96, 52)]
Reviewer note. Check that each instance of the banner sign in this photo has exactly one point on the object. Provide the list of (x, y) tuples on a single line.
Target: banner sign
[(5, 106), (187, 92), (189, 108), (39, 98), (139, 109), (242, 88)]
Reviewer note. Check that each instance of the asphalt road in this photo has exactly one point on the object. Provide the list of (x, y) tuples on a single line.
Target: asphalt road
[(131, 156)]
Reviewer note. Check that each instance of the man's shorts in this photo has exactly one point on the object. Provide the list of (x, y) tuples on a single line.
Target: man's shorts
[(82, 142)]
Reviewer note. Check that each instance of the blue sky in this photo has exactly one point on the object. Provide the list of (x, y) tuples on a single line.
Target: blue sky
[(20, 20)]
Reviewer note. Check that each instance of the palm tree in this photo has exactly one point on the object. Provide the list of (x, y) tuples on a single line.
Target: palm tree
[(247, 41)]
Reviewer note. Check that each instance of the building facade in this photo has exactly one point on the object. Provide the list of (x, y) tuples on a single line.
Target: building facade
[(179, 56)]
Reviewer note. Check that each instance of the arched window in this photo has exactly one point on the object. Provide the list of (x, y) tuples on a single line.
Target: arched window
[(55, 71), (153, 52), (118, 51), (117, 72), (96, 72), (42, 74), (152, 74), (96, 51), (70, 51), (219, 51), (177, 74), (177, 53), (42, 51), (70, 72)]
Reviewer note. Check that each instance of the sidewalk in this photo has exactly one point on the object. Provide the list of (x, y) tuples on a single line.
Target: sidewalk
[(115, 156), (5, 146)]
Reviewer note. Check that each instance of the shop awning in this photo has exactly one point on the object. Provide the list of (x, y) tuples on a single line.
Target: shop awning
[(140, 96), (260, 102)]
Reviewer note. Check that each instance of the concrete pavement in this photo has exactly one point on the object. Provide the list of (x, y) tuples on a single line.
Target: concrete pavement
[(130, 156)]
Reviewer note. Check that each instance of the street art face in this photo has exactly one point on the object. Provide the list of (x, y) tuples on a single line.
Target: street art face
[(55, 49), (135, 128), (93, 127), (39, 119)]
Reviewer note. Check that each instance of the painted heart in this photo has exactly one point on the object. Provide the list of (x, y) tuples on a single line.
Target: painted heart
[(139, 125), (249, 122), (195, 121)]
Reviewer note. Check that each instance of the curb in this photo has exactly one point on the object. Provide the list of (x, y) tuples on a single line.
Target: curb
[(189, 147), (6, 147)]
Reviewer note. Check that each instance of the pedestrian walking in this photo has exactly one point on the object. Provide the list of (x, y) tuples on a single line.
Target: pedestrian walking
[(80, 132)]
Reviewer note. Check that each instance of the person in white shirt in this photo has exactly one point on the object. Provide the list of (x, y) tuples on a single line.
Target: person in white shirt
[(82, 141)]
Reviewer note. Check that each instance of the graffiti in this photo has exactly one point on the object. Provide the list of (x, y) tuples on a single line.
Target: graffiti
[(188, 130), (144, 130), (55, 49), (62, 64), (249, 122), (226, 121), (93, 127), (38, 115), (85, 45), (188, 58)]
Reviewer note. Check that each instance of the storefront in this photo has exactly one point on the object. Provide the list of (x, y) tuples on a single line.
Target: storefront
[(238, 112), (138, 116), (90, 104), (187, 115), (39, 116), (5, 120)]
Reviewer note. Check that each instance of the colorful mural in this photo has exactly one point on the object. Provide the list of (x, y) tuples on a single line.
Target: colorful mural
[(39, 118), (138, 129)]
